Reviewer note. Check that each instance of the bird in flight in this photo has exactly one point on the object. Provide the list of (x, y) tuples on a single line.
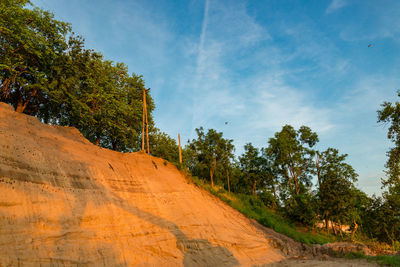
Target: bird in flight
[(370, 45)]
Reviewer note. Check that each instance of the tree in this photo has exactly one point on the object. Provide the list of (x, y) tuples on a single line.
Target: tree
[(381, 219), (336, 190), (269, 181), (31, 42), (390, 113), (386, 211), (209, 151), (250, 164), (292, 158), (227, 156)]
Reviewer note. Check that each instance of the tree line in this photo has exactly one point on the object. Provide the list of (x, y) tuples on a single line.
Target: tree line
[(282, 173), (46, 71)]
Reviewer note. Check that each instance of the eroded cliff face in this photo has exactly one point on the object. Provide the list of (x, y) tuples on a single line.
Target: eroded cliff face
[(66, 202)]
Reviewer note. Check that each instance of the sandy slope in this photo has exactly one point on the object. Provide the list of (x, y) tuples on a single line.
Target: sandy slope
[(64, 201)]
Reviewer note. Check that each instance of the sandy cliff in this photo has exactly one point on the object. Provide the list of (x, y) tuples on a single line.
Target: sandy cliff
[(64, 201)]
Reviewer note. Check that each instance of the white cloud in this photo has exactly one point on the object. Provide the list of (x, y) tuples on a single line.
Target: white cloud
[(335, 5), (262, 102), (274, 104)]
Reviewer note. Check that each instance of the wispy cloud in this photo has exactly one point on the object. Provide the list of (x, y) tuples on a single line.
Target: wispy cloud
[(200, 56), (275, 104), (374, 24), (264, 101), (335, 5), (256, 67)]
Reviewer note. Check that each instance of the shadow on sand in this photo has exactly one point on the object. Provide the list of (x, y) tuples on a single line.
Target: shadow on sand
[(197, 252)]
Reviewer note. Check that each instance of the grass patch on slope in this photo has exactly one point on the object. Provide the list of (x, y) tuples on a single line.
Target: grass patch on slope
[(384, 260), (255, 209), (393, 260)]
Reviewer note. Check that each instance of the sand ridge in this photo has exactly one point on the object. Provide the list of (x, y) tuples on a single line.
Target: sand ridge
[(66, 202)]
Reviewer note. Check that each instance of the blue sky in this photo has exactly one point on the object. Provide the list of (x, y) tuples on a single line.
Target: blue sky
[(257, 65)]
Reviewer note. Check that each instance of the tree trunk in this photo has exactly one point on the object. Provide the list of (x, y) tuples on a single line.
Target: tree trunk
[(294, 176), (227, 176), (354, 230), (327, 222), (212, 170), (20, 106), (317, 159), (296, 183), (211, 176), (115, 145), (5, 87), (180, 149), (23, 104), (340, 229), (289, 180), (254, 188), (274, 191), (334, 228), (97, 140)]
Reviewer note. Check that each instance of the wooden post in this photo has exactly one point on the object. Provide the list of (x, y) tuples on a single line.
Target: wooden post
[(180, 149), (144, 101), (147, 123)]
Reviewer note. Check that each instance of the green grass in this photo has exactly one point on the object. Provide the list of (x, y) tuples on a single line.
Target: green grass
[(384, 260), (255, 209), (393, 260)]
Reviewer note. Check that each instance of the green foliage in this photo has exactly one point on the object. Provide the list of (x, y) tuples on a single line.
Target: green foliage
[(31, 44), (163, 146), (302, 209), (390, 113), (250, 164), (209, 155), (336, 191), (267, 198), (382, 218), (292, 158), (384, 215), (257, 176)]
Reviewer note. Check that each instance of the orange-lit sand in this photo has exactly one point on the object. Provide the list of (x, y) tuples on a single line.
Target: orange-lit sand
[(66, 202)]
